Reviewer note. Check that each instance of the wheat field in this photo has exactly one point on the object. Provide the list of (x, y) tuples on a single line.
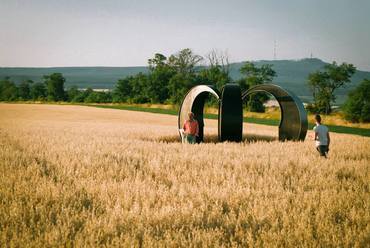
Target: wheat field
[(83, 176)]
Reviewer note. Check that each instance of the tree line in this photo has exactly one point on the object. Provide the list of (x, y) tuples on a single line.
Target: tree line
[(50, 89), (169, 78)]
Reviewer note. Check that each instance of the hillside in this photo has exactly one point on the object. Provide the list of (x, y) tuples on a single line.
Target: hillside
[(291, 74)]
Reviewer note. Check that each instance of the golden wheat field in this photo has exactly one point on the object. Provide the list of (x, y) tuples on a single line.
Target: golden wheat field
[(83, 176)]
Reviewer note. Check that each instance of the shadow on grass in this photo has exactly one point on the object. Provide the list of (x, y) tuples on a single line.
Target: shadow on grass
[(249, 138)]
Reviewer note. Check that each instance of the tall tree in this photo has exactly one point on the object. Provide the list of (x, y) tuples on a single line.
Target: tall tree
[(55, 86), (139, 86), (123, 90), (213, 76), (184, 63), (24, 90), (8, 90), (324, 83), (217, 70), (158, 61), (254, 75), (38, 91), (217, 58), (357, 106), (160, 74)]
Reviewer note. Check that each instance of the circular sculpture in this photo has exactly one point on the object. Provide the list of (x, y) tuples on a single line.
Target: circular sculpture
[(293, 122)]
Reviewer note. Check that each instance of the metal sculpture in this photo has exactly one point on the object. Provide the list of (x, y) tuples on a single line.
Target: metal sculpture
[(194, 102), (230, 114), (293, 123)]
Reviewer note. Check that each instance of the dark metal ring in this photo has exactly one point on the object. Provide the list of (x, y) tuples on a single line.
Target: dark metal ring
[(293, 122)]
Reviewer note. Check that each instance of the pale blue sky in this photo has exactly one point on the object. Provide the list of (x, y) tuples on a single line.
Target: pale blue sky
[(126, 33)]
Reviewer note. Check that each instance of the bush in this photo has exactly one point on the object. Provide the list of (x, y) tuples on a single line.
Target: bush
[(98, 97), (8, 90), (357, 106)]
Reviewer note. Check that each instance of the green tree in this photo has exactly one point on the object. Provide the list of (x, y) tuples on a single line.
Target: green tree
[(254, 75), (24, 90), (160, 75), (38, 91), (324, 83), (122, 90), (87, 93), (132, 89), (8, 90), (55, 87), (357, 106), (82, 95), (139, 86), (179, 85), (98, 97), (217, 71), (72, 93), (184, 63), (214, 76), (158, 61), (168, 80)]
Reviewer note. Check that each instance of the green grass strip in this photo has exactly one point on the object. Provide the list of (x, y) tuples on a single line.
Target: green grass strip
[(135, 108), (270, 122)]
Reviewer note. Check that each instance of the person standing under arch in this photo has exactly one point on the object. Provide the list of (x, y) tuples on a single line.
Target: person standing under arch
[(191, 129)]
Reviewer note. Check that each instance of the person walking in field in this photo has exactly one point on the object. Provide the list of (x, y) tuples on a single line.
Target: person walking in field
[(322, 137), (191, 129)]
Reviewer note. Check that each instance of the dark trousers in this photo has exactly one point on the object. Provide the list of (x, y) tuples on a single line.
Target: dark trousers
[(323, 150)]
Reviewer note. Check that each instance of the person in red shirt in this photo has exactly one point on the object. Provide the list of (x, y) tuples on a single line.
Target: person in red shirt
[(191, 129)]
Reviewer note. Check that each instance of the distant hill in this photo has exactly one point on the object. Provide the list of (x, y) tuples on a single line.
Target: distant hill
[(291, 74)]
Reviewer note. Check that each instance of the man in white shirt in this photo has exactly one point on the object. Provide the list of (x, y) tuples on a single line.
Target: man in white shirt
[(322, 137)]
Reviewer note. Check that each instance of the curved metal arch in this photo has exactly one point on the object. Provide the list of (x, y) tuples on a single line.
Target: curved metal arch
[(293, 122), (194, 102), (230, 114)]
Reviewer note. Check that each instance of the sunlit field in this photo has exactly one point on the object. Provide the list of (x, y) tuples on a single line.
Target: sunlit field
[(84, 176)]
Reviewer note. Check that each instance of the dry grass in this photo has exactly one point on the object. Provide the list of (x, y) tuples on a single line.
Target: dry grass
[(80, 176)]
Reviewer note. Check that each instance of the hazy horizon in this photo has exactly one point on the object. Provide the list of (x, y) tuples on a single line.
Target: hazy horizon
[(137, 66), (116, 33)]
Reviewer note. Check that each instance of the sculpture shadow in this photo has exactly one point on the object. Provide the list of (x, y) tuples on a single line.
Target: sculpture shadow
[(175, 139), (213, 139), (256, 138)]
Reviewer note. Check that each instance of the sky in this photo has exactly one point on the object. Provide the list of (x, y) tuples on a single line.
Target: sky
[(50, 33)]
